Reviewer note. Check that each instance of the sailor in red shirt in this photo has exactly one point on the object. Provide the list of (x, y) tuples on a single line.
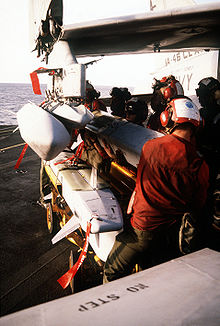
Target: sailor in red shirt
[(164, 91), (172, 179), (92, 101)]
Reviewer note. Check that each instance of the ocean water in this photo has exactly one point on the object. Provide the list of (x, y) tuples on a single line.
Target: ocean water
[(14, 96)]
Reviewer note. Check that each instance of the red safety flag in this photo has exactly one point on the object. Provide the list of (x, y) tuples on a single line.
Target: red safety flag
[(21, 156), (35, 81), (68, 276)]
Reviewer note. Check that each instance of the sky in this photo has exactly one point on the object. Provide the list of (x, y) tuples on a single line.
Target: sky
[(17, 61)]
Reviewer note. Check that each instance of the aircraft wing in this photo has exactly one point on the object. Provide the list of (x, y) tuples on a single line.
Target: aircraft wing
[(192, 28), (183, 291)]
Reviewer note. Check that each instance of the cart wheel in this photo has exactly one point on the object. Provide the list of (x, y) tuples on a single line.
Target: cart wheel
[(50, 218)]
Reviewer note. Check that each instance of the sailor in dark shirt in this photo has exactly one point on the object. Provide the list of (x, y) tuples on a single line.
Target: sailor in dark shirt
[(119, 96), (208, 137)]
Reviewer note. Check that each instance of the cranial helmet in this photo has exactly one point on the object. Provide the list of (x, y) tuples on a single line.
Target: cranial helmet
[(91, 93), (180, 110), (121, 92), (117, 92), (207, 87), (89, 86), (137, 107), (169, 87)]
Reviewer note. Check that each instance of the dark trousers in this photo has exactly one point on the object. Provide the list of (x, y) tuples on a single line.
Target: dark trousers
[(147, 248)]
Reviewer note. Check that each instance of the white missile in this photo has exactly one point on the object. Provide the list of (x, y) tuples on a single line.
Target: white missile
[(121, 135), (42, 130), (88, 196), (46, 135), (78, 115), (88, 201)]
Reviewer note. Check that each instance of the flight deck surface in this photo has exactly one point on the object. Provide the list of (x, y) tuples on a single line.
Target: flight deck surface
[(30, 263)]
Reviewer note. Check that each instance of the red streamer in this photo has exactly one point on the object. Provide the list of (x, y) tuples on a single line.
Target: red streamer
[(68, 159), (65, 280), (21, 156), (80, 150), (75, 156), (35, 81)]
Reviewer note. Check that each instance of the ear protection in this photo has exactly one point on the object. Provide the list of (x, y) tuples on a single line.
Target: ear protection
[(173, 87), (169, 92), (180, 110), (165, 117)]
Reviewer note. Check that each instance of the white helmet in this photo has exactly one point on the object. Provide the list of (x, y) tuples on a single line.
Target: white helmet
[(180, 110)]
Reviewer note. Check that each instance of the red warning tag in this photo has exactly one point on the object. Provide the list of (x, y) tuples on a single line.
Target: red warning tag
[(68, 276)]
